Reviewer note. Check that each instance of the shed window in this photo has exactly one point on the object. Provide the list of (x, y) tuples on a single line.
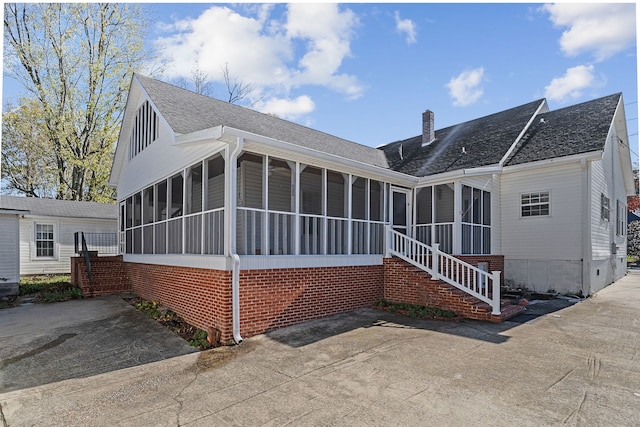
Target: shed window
[(535, 204)]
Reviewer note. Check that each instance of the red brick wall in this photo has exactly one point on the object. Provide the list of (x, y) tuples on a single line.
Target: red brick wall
[(272, 299), (108, 273), (408, 284), (269, 299), (200, 296), (496, 262)]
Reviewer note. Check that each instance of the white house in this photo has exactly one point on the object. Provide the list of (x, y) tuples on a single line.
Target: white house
[(245, 222), (37, 234)]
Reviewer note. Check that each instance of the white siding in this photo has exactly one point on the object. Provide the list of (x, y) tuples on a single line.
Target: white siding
[(64, 229), (9, 244), (161, 159), (608, 250), (543, 253), (557, 236)]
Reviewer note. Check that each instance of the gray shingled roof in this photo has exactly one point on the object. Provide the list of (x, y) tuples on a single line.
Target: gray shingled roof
[(60, 208), (188, 112), (485, 141), (572, 130)]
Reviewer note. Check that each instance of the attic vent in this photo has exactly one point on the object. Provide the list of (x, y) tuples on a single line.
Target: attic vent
[(146, 127)]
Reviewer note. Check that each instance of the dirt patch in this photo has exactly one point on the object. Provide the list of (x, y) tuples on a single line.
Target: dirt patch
[(196, 337), (220, 356)]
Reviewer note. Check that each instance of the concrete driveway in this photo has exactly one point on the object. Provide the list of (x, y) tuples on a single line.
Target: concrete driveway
[(578, 366), (47, 343)]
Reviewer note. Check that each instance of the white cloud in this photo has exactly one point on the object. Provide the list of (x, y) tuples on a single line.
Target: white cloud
[(285, 108), (571, 85), (406, 26), (601, 28), (273, 52), (465, 89)]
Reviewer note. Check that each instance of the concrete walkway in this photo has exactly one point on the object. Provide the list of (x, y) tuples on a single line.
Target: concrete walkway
[(45, 343), (579, 366)]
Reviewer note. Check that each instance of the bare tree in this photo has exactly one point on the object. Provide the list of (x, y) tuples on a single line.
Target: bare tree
[(200, 80), (237, 90), (76, 61)]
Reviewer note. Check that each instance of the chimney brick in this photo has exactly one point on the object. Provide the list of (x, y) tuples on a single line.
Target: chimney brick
[(428, 131)]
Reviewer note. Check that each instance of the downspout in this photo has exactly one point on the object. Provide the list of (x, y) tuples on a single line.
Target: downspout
[(231, 245)]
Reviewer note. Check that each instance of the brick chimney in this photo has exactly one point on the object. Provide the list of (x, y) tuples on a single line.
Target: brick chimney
[(428, 131)]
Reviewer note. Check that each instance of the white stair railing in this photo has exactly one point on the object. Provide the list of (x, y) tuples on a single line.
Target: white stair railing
[(441, 266)]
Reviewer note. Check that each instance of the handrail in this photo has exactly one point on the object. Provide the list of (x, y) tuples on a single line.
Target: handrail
[(441, 266)]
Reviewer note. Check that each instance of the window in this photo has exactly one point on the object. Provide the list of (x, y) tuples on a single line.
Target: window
[(535, 204), (604, 207), (145, 129), (620, 214), (44, 241)]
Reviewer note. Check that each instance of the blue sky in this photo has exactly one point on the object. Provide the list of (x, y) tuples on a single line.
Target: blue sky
[(367, 71)]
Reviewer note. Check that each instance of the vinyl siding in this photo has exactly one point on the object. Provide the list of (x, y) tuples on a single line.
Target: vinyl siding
[(64, 229), (607, 264), (9, 244), (557, 236)]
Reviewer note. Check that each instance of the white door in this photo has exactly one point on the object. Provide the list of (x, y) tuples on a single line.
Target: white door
[(400, 210)]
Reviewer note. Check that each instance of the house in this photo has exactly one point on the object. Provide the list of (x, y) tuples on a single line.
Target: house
[(37, 234), (244, 222)]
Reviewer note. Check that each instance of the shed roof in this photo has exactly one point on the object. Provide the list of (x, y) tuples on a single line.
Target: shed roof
[(59, 208)]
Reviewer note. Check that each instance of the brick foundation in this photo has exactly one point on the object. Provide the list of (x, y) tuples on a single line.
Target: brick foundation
[(269, 299), (200, 296), (108, 273), (272, 299)]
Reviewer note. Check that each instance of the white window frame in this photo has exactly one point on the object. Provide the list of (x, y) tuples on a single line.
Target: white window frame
[(539, 194), (605, 207), (34, 236), (620, 218)]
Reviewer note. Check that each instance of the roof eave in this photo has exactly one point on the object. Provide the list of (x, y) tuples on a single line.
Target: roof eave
[(589, 156)]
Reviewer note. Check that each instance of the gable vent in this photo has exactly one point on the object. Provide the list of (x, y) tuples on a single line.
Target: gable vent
[(146, 127)]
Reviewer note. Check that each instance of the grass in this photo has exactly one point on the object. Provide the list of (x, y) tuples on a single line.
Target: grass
[(415, 311), (49, 288)]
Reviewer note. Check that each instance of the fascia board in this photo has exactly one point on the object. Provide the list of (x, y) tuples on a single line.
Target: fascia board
[(592, 155), (203, 135)]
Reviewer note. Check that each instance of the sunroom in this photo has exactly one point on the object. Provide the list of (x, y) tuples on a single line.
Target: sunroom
[(283, 207)]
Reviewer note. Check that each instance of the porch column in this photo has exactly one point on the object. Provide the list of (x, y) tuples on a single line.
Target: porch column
[(457, 217), (230, 202), (296, 208)]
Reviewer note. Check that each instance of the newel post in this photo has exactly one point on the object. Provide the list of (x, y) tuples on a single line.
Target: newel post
[(495, 298), (435, 256)]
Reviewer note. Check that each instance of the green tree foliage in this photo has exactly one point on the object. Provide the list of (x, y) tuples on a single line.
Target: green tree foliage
[(633, 239), (28, 162), (76, 62)]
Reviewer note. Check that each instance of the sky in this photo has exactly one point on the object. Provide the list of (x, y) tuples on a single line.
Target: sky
[(366, 71)]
